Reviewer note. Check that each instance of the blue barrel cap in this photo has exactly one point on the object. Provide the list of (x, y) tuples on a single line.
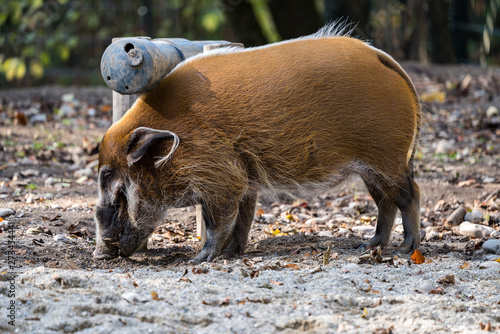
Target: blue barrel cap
[(135, 65)]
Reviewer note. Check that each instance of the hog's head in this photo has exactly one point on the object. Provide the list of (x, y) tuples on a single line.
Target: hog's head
[(132, 200)]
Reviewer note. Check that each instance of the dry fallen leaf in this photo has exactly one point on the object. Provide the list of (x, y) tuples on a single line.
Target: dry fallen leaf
[(417, 257), (225, 302), (20, 251), (466, 183), (199, 270), (466, 265), (438, 291), (316, 270), (435, 96), (486, 327), (291, 265), (20, 118), (56, 217), (63, 264), (276, 283), (365, 313), (185, 279), (249, 263), (326, 256), (261, 300), (154, 295), (254, 273), (448, 279)]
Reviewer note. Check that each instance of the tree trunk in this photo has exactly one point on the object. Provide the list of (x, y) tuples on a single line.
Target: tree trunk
[(295, 18), (243, 24), (355, 11), (417, 46), (442, 46)]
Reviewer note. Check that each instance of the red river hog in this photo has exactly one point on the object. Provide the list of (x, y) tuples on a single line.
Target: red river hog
[(288, 117)]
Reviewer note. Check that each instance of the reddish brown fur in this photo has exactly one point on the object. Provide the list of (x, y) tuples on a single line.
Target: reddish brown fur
[(291, 116)]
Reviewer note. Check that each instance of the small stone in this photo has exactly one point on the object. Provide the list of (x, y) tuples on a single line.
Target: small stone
[(445, 147), (495, 234), (30, 198), (474, 216), (363, 229), (448, 279), (61, 238), (50, 181), (68, 97), (38, 118), (6, 212), (456, 217), (83, 172), (425, 287), (422, 234), (269, 218), (93, 164), (399, 229), (431, 233), (4, 225), (325, 234), (35, 230), (82, 179), (491, 111), (492, 246), (133, 298), (48, 196), (317, 220), (275, 210), (490, 265), (341, 202), (356, 205), (342, 232), (351, 268), (492, 257), (475, 230), (30, 172)]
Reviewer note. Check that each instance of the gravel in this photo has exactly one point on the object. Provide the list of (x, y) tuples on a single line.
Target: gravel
[(342, 296)]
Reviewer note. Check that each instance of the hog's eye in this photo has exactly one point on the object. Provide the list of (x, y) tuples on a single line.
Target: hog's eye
[(106, 176)]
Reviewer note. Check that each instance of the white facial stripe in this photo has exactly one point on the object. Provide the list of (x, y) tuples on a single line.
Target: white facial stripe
[(132, 200), (109, 194)]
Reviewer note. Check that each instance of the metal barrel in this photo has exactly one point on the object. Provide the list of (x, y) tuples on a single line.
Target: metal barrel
[(138, 64)]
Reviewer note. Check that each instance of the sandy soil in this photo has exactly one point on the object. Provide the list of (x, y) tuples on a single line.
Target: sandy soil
[(298, 274)]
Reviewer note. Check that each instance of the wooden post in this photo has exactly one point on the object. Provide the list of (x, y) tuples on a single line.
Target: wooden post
[(200, 225), (122, 103)]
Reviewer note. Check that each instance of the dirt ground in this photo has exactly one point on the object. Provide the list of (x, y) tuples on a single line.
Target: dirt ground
[(49, 141)]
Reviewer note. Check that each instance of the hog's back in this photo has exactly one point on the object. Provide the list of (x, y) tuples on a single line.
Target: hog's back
[(300, 110)]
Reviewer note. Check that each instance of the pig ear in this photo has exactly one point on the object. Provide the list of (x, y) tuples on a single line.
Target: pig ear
[(142, 139)]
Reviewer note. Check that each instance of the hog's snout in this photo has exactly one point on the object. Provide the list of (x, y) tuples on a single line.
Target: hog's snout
[(132, 239), (109, 230)]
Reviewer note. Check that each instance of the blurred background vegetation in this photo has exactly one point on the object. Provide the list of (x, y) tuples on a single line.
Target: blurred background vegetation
[(61, 41)]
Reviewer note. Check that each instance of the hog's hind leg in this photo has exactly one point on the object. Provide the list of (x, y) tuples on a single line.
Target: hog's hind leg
[(390, 196), (239, 237), (408, 201), (387, 210)]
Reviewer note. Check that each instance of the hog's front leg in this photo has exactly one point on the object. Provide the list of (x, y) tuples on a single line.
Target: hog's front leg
[(239, 237), (219, 222)]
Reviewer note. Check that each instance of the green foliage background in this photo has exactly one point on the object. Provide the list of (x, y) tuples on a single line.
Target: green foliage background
[(62, 41)]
